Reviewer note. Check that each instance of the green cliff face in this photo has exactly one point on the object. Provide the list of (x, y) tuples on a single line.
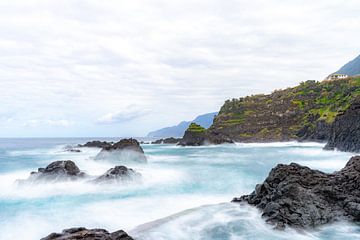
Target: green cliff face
[(302, 112)]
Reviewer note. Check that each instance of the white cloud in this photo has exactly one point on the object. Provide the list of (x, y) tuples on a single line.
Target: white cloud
[(82, 59), (47, 122), (130, 113)]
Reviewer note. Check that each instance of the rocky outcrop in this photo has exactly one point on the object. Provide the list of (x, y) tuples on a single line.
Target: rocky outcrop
[(345, 131), (170, 140), (300, 197), (125, 150), (118, 173), (305, 112), (67, 170), (59, 170), (97, 144), (71, 149), (196, 135), (88, 234)]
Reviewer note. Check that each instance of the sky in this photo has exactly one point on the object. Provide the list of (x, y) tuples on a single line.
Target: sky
[(124, 68)]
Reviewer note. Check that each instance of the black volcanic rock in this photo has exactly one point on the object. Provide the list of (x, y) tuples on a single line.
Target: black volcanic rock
[(59, 170), (97, 144), (196, 135), (71, 149), (345, 131), (170, 140), (300, 197), (124, 150), (118, 173), (88, 234)]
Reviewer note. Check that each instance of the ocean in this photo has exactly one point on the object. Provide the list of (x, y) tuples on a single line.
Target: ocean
[(184, 193)]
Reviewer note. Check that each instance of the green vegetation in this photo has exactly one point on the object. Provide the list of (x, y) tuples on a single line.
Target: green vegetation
[(196, 128), (286, 112)]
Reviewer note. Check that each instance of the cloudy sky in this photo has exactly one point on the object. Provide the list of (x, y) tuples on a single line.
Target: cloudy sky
[(123, 68)]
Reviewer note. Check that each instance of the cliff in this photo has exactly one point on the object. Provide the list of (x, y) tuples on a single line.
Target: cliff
[(345, 131), (304, 112)]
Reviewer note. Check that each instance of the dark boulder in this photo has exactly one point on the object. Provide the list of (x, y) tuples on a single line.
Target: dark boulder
[(88, 234), (59, 170), (345, 131), (170, 140), (118, 173), (97, 144), (124, 150), (300, 197)]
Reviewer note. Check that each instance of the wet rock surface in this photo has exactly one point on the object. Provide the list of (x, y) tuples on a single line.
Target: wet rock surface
[(59, 170), (124, 150), (297, 196), (170, 140), (97, 144), (196, 135), (88, 234), (345, 131), (118, 173)]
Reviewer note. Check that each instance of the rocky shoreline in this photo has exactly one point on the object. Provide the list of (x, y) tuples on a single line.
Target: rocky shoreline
[(297, 196)]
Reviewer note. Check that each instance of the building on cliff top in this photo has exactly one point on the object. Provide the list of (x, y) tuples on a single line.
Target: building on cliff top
[(336, 76)]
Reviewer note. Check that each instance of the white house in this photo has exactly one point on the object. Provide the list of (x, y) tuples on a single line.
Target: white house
[(336, 76)]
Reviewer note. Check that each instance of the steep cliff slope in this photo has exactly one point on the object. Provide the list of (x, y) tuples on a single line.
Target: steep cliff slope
[(345, 131), (304, 112)]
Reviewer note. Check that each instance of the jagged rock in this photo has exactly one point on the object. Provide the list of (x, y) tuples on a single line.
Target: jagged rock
[(300, 197), (59, 170), (345, 131), (118, 173), (97, 144), (71, 149), (170, 140), (88, 234), (124, 150), (196, 135)]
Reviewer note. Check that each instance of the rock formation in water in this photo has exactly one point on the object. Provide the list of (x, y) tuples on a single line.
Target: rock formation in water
[(67, 170), (345, 131), (196, 135), (59, 170), (88, 234), (177, 131), (98, 144), (71, 149), (124, 150), (170, 140), (305, 112), (118, 173), (297, 196)]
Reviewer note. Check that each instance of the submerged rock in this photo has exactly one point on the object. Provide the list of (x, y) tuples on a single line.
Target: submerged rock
[(88, 234), (97, 144), (300, 197), (196, 135), (124, 150), (345, 131), (59, 170), (170, 140), (118, 173)]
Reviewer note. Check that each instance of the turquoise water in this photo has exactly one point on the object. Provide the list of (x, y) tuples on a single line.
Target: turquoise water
[(185, 193)]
